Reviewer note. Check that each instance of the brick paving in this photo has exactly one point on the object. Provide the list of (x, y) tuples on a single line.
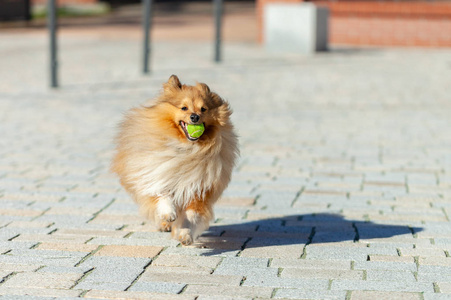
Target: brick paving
[(342, 191)]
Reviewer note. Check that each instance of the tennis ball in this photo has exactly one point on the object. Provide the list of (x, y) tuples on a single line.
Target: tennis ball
[(194, 130)]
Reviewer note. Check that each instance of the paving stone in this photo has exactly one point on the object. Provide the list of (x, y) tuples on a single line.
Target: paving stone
[(12, 267), (157, 287), (381, 275), (54, 238), (63, 270), (369, 295), (39, 292), (67, 247), (233, 269), (203, 251), (286, 251), (42, 280), (435, 260), (129, 251), (332, 253), (134, 295), (391, 258), (103, 285), (40, 260), (433, 275), (383, 286), (179, 269), (207, 297), (220, 291), (236, 201), (422, 252), (105, 269), (311, 264), (161, 242), (315, 273), (444, 287), (278, 282), (193, 263), (306, 294), (191, 278), (435, 296)]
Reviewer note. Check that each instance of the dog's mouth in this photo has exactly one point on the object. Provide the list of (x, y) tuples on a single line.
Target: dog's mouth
[(185, 130)]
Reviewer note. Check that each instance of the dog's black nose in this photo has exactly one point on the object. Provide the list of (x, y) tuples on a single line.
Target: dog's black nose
[(194, 118)]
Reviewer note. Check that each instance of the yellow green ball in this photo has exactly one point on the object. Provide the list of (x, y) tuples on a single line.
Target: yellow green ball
[(195, 130)]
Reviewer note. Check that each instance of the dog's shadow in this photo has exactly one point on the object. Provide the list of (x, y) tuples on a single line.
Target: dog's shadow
[(295, 231)]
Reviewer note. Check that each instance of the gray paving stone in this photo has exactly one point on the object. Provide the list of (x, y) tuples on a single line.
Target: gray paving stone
[(311, 264), (326, 273), (385, 265), (382, 275), (435, 296), (103, 285), (433, 277), (394, 286), (303, 294), (157, 287), (354, 253), (277, 282)]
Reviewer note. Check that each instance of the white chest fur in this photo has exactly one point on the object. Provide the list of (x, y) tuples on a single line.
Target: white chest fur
[(182, 172)]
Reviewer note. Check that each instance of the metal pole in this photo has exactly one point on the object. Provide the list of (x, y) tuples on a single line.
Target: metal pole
[(146, 25), (218, 22), (51, 20)]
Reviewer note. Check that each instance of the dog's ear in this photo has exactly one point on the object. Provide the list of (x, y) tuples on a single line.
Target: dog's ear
[(203, 88), (224, 113), (172, 84), (222, 109)]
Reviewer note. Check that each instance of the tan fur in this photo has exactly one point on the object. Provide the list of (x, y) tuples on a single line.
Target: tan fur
[(176, 181)]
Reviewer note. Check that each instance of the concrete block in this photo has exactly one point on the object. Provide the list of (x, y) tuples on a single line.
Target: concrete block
[(220, 291), (301, 28), (383, 286), (100, 285), (445, 287), (306, 294), (278, 282), (385, 265), (381, 275), (157, 287), (370, 295), (38, 293), (135, 295), (311, 264), (42, 280), (330, 274), (184, 262), (188, 278), (129, 251), (435, 296)]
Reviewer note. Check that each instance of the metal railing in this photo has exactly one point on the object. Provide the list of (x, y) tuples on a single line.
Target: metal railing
[(147, 23)]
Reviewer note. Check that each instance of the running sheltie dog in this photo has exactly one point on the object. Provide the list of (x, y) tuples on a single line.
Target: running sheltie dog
[(173, 176)]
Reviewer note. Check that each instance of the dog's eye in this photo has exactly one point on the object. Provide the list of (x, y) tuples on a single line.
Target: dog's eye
[(203, 109), (184, 108)]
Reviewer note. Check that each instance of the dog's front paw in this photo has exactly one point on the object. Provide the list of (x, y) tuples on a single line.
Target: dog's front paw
[(166, 211), (185, 237), (164, 226), (168, 217)]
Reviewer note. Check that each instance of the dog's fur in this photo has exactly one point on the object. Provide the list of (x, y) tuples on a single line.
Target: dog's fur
[(174, 179)]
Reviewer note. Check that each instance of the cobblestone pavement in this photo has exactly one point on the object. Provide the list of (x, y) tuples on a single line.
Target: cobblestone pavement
[(342, 191)]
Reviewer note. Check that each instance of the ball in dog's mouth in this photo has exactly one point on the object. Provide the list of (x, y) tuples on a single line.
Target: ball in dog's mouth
[(192, 131)]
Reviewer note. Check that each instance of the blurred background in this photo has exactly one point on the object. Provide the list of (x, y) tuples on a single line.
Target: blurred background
[(425, 23)]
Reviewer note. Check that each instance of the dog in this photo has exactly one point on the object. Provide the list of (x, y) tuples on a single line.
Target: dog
[(176, 178)]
